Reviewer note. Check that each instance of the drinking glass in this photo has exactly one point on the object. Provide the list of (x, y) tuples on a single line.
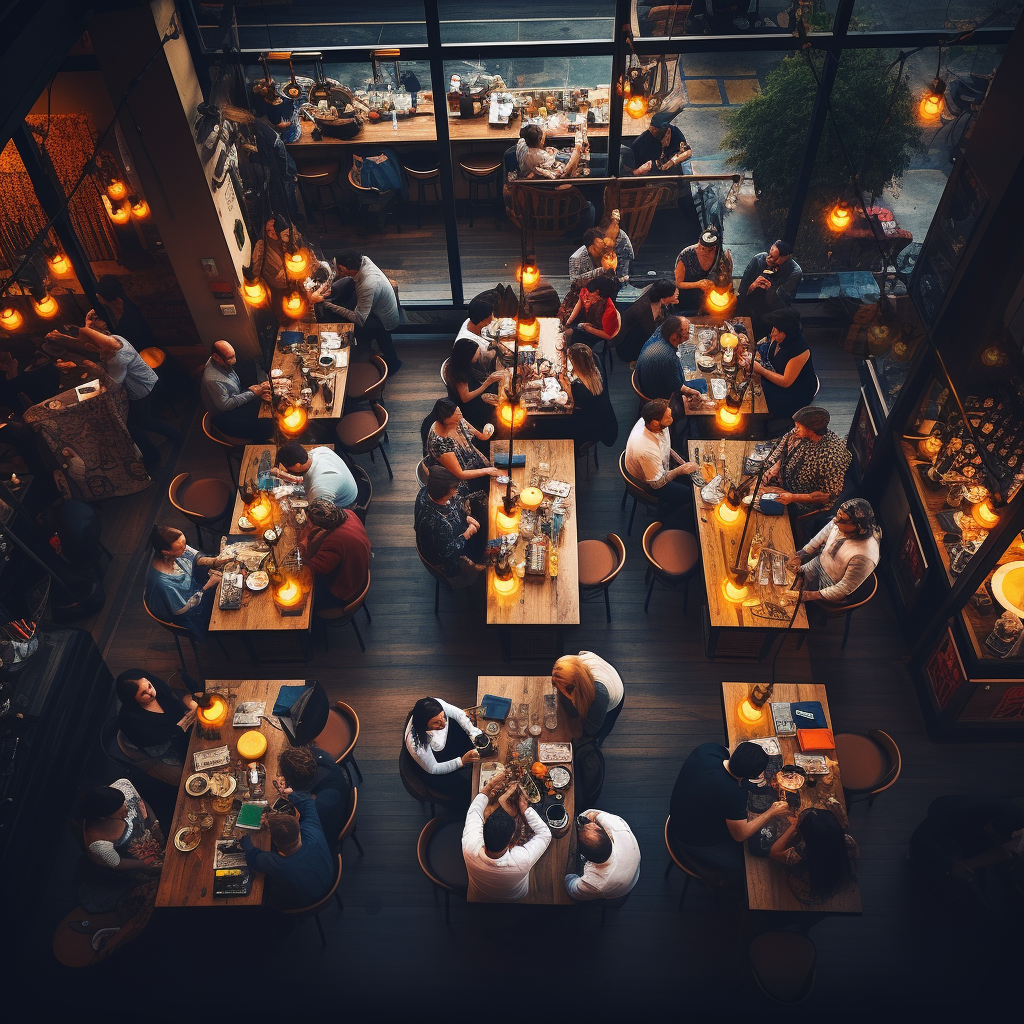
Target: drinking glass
[(535, 724)]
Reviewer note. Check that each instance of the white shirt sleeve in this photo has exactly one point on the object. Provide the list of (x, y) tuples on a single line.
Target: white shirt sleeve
[(424, 756), (579, 889), (460, 716), (473, 830), (534, 848)]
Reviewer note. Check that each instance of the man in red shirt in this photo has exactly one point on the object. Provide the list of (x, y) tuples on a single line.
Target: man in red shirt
[(337, 549)]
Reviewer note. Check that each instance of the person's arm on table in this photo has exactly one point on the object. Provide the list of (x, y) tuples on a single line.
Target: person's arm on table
[(741, 831), (473, 830), (782, 846), (783, 380), (460, 716)]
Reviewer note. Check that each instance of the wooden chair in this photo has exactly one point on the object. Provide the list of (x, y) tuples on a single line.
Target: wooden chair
[(313, 910), (639, 394), (677, 858), (860, 597), (782, 963), (374, 201), (340, 735), (349, 828), (439, 851), (315, 179), (673, 558), (366, 381), (637, 204), (234, 447), (440, 579), (431, 177), (584, 451), (669, 20), (208, 501), (547, 212), (334, 617), (637, 491), (177, 632), (600, 562), (869, 764), (479, 171), (416, 786), (364, 431)]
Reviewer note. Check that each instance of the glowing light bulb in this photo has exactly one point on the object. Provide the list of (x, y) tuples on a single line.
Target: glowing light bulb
[(985, 515), (932, 102), (289, 593), (294, 305), (727, 515), (507, 522), (254, 292), (529, 331), (119, 213), (840, 217), (735, 593), (46, 306), (636, 107), (529, 274), (117, 190), (260, 511), (729, 340), (728, 418), (292, 420), (719, 300), (750, 713), (504, 587), (511, 415), (10, 318), (140, 210), (214, 713), (990, 357), (59, 264), (296, 262)]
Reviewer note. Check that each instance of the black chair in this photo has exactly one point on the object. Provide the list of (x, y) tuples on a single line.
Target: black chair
[(440, 580), (364, 489), (348, 830), (673, 558), (110, 746), (636, 490), (609, 722), (782, 964), (689, 867), (439, 851), (331, 618), (416, 786), (313, 910)]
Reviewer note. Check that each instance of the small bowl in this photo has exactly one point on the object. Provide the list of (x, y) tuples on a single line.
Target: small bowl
[(245, 524)]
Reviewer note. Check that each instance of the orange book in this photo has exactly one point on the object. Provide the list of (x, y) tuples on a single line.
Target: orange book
[(816, 739)]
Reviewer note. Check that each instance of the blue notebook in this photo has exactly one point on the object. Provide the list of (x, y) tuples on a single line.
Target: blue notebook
[(286, 697), (801, 709), (495, 707), (290, 338)]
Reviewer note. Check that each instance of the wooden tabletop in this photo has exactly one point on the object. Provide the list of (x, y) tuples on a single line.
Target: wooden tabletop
[(337, 377), (766, 879), (700, 409), (547, 879), (258, 611), (478, 129), (550, 346), (411, 129), (719, 546), (187, 878), (539, 600)]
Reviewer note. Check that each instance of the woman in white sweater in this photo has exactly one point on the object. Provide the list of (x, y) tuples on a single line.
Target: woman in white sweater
[(844, 554), (439, 736)]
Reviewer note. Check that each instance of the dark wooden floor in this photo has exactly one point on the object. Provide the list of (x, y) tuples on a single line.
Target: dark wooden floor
[(390, 948)]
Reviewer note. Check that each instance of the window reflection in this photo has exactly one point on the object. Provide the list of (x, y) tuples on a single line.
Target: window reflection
[(907, 15), (468, 21), (730, 17)]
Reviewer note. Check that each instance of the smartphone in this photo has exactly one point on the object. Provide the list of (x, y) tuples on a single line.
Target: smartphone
[(284, 806)]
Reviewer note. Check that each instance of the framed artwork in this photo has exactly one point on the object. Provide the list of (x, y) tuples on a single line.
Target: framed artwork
[(944, 670), (862, 434), (911, 566)]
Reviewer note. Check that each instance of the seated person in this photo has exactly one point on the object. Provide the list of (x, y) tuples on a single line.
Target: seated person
[(642, 318), (322, 472), (234, 409), (118, 830), (695, 270), (581, 698), (811, 464), (649, 458), (312, 770), (447, 537), (820, 859), (619, 242), (124, 316), (448, 441), (497, 871), (604, 673), (535, 161), (177, 590), (481, 313), (467, 377), (439, 736), (784, 365), (594, 318), (337, 550), (662, 148), (709, 806), (153, 718), (593, 416), (585, 264), (611, 857), (769, 283), (659, 371), (841, 556), (300, 868)]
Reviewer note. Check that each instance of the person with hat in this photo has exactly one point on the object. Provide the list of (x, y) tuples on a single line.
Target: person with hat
[(783, 362), (695, 270), (337, 550), (769, 283), (663, 148)]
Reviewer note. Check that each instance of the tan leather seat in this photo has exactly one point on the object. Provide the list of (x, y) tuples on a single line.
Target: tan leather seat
[(783, 965), (354, 426), (361, 378), (481, 166), (336, 738), (676, 551), (596, 561), (862, 761)]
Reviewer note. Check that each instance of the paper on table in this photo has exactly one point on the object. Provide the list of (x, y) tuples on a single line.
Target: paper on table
[(88, 389)]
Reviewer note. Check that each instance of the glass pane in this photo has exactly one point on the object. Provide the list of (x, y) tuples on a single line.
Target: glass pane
[(907, 15), (738, 112), (561, 93), (653, 18), (902, 172), (463, 21), (314, 26)]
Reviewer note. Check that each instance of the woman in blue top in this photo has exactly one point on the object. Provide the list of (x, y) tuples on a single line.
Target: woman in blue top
[(177, 588)]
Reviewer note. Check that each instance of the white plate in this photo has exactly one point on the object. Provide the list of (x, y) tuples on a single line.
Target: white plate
[(197, 784), (998, 582), (258, 580), (276, 373), (245, 524)]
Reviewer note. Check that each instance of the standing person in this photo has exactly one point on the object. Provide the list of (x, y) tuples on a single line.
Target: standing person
[(446, 536), (584, 265), (467, 377), (322, 472), (611, 857), (820, 858), (177, 589), (337, 550), (375, 309), (235, 410), (593, 417), (498, 872), (122, 315), (695, 270), (642, 317), (439, 736), (709, 806), (769, 283), (649, 458), (784, 365)]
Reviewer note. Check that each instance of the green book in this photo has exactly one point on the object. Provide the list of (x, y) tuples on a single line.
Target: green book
[(250, 815)]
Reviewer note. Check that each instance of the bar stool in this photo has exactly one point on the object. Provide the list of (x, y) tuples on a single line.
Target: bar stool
[(439, 851), (600, 562), (423, 179), (673, 557), (319, 178), (479, 170)]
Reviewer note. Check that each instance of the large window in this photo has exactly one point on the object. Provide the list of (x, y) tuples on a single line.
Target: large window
[(470, 21)]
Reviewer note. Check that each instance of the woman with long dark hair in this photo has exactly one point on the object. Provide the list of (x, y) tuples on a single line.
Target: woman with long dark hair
[(448, 441), (820, 858), (467, 380), (439, 736), (152, 716)]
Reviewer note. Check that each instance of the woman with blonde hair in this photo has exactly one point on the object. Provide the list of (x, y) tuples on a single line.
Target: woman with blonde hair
[(593, 418)]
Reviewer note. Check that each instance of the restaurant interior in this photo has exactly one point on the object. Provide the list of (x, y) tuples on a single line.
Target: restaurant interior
[(450, 452)]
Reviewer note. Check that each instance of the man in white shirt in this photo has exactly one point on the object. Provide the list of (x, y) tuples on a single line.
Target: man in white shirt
[(322, 473), (649, 459), (498, 874), (612, 858)]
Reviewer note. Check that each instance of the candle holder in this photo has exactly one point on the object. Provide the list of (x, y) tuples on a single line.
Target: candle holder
[(290, 596), (211, 714)]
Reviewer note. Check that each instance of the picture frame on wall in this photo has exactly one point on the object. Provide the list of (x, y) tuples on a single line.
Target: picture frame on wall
[(863, 434), (911, 565), (944, 670)]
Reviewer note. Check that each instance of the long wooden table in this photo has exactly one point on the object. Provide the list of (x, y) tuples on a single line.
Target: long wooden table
[(538, 601), (551, 345), (766, 879), (547, 879), (410, 129), (740, 629), (187, 878), (288, 364), (478, 129), (699, 408)]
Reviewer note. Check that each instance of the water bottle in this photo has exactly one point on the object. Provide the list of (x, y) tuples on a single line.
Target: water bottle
[(394, 120)]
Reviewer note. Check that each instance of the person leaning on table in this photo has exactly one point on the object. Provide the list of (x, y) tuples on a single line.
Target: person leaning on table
[(498, 873), (611, 855), (322, 473), (649, 458), (439, 737)]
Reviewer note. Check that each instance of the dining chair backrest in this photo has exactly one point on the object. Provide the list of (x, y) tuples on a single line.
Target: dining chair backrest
[(325, 899), (635, 487)]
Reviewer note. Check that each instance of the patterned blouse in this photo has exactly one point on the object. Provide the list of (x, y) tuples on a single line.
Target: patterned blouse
[(439, 530), (467, 454), (807, 466)]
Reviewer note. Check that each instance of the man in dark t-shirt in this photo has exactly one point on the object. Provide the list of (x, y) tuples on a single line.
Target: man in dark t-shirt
[(709, 805)]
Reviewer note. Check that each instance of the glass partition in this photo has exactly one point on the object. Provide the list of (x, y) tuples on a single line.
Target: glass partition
[(910, 15), (469, 21), (652, 18)]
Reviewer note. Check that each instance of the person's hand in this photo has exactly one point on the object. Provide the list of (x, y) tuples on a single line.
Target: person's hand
[(705, 285), (256, 389), (94, 320), (784, 497), (689, 467), (494, 783), (492, 471), (470, 756), (492, 378), (64, 364), (221, 559), (473, 522), (809, 595), (524, 804), (778, 808), (645, 168), (505, 800), (793, 562), (212, 580)]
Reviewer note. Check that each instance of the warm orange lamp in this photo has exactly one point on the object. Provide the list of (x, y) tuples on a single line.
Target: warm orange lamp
[(296, 262), (119, 212), (140, 209), (725, 513), (46, 306), (735, 593), (985, 515), (719, 300), (990, 357), (260, 511), (10, 318), (507, 522), (529, 331), (728, 418), (529, 274), (290, 597), (636, 107), (294, 305), (511, 415), (932, 102), (59, 264), (505, 584), (211, 714), (254, 292), (292, 420), (840, 217), (749, 713), (117, 190)]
